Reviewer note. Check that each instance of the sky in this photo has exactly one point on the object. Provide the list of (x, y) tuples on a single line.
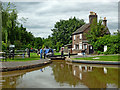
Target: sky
[(43, 14)]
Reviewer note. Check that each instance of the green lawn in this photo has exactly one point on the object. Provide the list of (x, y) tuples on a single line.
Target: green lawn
[(57, 53), (101, 58), (33, 56)]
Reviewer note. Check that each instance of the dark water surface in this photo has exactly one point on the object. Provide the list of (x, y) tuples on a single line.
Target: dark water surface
[(63, 75)]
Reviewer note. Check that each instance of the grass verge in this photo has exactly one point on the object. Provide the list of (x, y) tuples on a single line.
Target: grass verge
[(57, 53), (99, 58), (33, 56)]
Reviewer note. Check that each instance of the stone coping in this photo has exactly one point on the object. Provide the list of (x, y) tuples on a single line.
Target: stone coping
[(11, 66), (95, 62)]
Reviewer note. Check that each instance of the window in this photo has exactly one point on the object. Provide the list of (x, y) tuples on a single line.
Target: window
[(77, 47), (74, 37), (85, 46), (80, 46), (74, 46), (80, 36)]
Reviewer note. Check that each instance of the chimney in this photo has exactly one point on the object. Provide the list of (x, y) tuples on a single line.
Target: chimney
[(105, 21), (92, 16)]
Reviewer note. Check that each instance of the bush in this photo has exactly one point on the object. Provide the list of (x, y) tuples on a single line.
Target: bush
[(105, 53), (4, 46), (18, 44), (99, 52), (111, 41)]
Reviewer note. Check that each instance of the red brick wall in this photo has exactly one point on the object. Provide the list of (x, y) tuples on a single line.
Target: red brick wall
[(85, 32)]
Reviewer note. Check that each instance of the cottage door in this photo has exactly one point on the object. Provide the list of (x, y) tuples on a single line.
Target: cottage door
[(90, 49)]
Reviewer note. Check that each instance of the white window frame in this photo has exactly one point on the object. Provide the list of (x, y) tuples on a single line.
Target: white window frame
[(80, 36), (80, 46), (74, 46), (74, 37), (77, 47), (85, 45)]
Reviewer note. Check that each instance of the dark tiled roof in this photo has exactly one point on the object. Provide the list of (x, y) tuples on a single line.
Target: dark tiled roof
[(85, 26), (81, 29)]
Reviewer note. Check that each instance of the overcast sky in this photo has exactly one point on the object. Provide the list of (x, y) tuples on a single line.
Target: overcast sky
[(42, 15)]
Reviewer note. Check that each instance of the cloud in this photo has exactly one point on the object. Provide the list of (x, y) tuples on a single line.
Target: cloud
[(60, 0), (43, 15)]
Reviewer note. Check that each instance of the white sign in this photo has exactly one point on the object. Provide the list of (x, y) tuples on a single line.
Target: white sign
[(90, 47), (12, 46), (105, 48)]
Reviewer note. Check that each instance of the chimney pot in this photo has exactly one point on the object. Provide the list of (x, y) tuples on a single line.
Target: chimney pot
[(104, 18), (92, 16), (105, 21), (91, 12)]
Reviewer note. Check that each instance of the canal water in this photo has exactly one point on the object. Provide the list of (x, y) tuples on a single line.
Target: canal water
[(62, 74)]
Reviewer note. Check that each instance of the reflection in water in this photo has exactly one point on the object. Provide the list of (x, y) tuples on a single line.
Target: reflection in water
[(105, 70), (41, 70), (11, 81), (96, 77), (80, 76), (62, 74)]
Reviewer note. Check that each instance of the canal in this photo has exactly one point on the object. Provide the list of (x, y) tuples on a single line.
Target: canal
[(62, 74)]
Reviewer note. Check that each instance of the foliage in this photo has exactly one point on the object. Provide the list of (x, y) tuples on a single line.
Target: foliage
[(4, 46), (38, 42), (96, 30), (17, 44), (98, 38), (48, 42), (112, 42), (12, 31), (63, 30)]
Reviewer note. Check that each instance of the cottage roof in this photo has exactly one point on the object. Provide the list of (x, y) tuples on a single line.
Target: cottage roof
[(81, 29), (84, 27)]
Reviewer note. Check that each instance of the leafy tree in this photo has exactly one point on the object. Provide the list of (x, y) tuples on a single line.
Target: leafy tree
[(12, 31), (96, 30), (63, 30), (48, 42), (112, 42), (9, 20), (38, 42), (17, 44)]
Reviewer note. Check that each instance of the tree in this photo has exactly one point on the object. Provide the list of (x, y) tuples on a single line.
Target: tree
[(12, 31), (48, 42), (97, 31), (63, 30), (9, 21), (38, 42), (112, 42)]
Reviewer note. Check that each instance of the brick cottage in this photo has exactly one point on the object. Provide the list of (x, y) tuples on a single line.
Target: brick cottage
[(79, 40)]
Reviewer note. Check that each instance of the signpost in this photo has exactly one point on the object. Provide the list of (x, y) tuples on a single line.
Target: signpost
[(105, 48)]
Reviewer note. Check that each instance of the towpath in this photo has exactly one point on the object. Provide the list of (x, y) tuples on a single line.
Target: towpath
[(20, 65)]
